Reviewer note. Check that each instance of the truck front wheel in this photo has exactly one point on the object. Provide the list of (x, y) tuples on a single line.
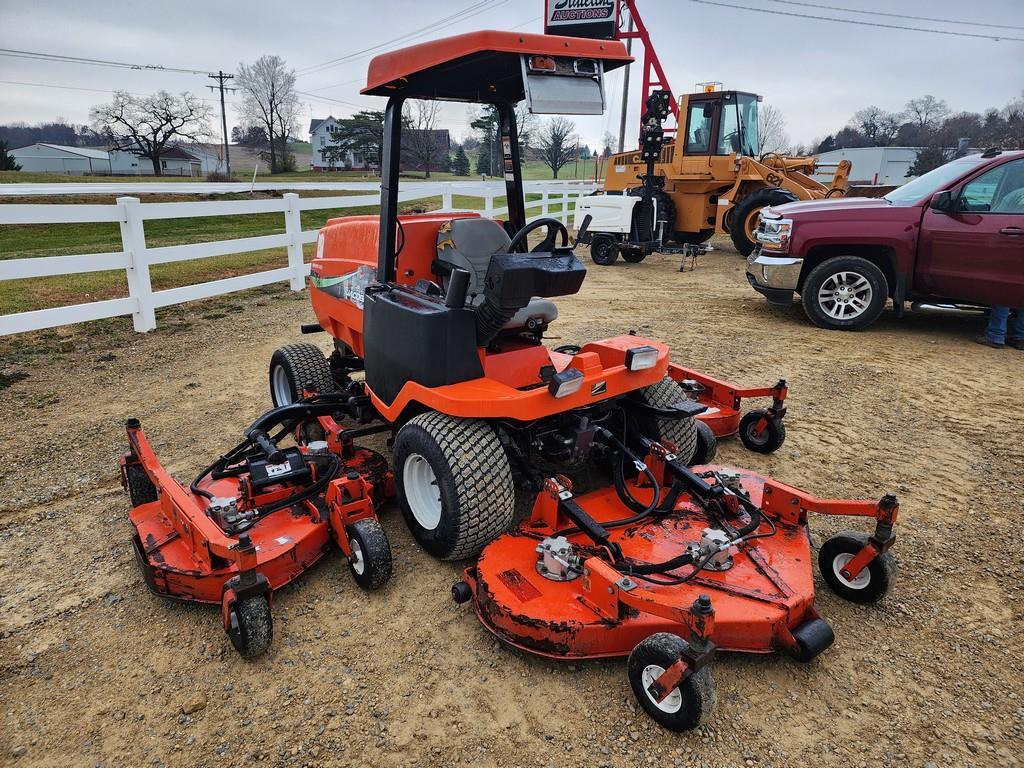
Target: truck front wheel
[(845, 293)]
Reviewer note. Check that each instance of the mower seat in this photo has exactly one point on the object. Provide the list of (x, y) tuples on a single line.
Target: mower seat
[(469, 244)]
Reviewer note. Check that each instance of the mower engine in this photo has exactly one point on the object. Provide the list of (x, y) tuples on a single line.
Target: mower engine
[(261, 515)]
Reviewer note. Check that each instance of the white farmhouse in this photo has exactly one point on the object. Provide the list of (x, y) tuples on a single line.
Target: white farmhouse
[(321, 137)]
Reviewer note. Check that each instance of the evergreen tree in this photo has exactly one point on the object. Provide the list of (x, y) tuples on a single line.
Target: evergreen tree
[(6, 161), (460, 163)]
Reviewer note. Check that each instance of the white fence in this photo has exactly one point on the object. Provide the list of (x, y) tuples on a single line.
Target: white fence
[(135, 257)]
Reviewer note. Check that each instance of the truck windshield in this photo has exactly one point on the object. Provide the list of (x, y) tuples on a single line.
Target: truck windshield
[(934, 181)]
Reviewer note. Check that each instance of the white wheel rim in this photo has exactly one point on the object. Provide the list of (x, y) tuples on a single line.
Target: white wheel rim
[(671, 703), (863, 578), (845, 295), (357, 560), (282, 389), (422, 491)]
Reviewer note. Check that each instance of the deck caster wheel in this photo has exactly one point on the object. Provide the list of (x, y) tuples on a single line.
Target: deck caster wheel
[(370, 561), (689, 704), (251, 628), (812, 637), (140, 488), (871, 584), (707, 444), (461, 593), (771, 438)]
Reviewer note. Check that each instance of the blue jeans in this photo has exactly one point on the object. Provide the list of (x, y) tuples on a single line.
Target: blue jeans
[(998, 319)]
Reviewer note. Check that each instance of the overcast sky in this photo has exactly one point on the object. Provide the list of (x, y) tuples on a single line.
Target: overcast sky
[(817, 72)]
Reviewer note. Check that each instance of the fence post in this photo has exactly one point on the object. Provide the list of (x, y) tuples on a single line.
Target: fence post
[(544, 203), (293, 228), (133, 243), (446, 196), (488, 203)]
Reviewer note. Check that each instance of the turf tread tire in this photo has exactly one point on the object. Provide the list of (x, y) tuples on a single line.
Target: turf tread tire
[(303, 364), (140, 488), (479, 482), (682, 433)]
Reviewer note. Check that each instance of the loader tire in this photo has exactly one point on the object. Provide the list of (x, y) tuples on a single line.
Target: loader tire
[(744, 216), (693, 238), (454, 484), (295, 367), (682, 433), (140, 488)]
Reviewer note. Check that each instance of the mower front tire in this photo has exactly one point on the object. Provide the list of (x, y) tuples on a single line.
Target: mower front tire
[(140, 488), (370, 562), (682, 433), (871, 584), (252, 627), (454, 484), (689, 704), (603, 250), (295, 367)]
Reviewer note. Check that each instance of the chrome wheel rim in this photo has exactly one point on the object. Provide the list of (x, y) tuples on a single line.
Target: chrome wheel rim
[(422, 491), (845, 295)]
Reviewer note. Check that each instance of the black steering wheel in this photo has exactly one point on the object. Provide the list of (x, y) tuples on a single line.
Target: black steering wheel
[(554, 227)]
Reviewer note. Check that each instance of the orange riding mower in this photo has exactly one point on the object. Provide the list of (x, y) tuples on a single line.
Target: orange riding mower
[(670, 565), (261, 515)]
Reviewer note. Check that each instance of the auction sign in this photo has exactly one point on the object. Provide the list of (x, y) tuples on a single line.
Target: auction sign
[(582, 18)]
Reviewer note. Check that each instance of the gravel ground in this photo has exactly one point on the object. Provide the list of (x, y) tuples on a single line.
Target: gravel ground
[(96, 671)]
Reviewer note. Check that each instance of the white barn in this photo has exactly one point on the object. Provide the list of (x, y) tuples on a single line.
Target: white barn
[(54, 158), (872, 166)]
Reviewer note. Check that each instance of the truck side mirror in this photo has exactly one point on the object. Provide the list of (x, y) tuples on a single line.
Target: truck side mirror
[(942, 201)]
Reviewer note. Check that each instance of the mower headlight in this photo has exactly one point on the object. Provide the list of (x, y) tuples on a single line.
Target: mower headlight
[(565, 382), (641, 358)]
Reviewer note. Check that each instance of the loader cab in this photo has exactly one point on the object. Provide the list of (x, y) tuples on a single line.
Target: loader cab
[(443, 289), (720, 123)]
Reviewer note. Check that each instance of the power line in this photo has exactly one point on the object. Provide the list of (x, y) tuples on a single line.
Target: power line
[(895, 15), (39, 56), (92, 90), (465, 13), (995, 38)]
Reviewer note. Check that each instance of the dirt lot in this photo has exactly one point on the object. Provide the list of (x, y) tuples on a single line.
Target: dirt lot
[(96, 671)]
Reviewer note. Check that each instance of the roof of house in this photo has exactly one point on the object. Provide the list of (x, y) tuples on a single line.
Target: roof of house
[(96, 154), (314, 123)]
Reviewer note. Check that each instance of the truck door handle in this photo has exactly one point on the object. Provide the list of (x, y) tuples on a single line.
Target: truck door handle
[(1011, 231)]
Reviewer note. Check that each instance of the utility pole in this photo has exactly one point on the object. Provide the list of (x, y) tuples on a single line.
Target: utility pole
[(221, 77), (625, 89)]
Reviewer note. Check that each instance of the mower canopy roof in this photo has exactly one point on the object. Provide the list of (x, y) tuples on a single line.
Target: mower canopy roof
[(487, 66)]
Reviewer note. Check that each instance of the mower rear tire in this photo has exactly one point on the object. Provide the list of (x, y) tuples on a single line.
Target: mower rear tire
[(454, 484), (140, 488), (689, 704), (743, 221), (871, 584), (633, 257), (370, 562), (771, 438), (252, 628), (295, 367), (682, 433), (603, 250), (707, 444)]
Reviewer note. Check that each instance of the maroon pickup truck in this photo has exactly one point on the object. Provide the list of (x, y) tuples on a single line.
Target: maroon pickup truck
[(954, 236)]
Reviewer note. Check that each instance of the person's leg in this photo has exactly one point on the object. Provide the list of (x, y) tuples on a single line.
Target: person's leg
[(1015, 334), (996, 330)]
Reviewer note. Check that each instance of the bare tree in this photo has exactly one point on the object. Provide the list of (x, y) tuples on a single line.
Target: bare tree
[(876, 125), (771, 130), (420, 136), (927, 112), (556, 144), (144, 125), (269, 100)]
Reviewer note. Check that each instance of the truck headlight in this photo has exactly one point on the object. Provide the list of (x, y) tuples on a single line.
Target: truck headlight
[(774, 234), (641, 358), (565, 382)]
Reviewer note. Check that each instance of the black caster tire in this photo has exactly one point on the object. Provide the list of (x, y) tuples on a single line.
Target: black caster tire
[(370, 562), (688, 705), (633, 257), (769, 441), (603, 250), (707, 444), (812, 637), (461, 593), (140, 488), (252, 628), (871, 584), (293, 367)]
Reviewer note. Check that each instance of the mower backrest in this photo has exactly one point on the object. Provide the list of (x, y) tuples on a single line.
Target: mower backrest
[(469, 244)]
